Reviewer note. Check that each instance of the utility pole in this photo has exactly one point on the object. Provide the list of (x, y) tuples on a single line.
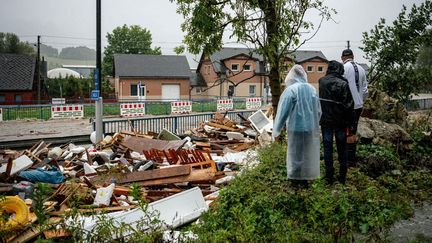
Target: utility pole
[(348, 44), (98, 102), (38, 70)]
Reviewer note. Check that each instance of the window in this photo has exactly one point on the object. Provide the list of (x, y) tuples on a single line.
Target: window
[(2, 98), (320, 69), (231, 91), (18, 98), (234, 67), (247, 67), (208, 68), (252, 89), (133, 90), (199, 90), (309, 69)]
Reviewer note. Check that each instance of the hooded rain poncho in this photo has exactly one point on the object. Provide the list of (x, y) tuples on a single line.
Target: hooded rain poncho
[(299, 110)]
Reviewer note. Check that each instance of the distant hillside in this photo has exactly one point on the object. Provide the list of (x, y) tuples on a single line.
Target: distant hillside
[(78, 53), (55, 62), (48, 51)]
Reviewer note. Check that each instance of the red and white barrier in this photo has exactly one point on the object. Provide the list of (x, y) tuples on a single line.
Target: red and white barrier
[(132, 109), (225, 105), (253, 103), (1, 114), (67, 111), (180, 107)]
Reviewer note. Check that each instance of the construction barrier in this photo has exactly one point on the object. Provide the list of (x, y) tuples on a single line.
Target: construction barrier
[(67, 111), (132, 109), (181, 107), (225, 105), (253, 103)]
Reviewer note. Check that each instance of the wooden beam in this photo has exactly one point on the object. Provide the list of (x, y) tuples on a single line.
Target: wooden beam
[(155, 174), (196, 176), (222, 126)]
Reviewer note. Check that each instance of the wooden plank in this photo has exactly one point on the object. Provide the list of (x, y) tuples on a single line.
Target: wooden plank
[(222, 126), (91, 210), (202, 144), (155, 174), (196, 176)]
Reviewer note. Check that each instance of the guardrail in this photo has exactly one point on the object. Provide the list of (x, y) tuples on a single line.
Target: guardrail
[(177, 124), (419, 104)]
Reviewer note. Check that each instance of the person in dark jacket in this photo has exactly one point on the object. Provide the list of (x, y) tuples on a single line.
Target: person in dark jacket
[(337, 117)]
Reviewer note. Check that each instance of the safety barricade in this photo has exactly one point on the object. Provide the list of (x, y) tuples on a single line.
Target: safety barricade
[(181, 107), (132, 109), (253, 103), (67, 111), (225, 105)]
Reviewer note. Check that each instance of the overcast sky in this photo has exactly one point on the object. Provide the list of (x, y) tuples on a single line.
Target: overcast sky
[(64, 23)]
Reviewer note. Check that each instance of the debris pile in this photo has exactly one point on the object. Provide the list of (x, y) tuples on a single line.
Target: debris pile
[(178, 175)]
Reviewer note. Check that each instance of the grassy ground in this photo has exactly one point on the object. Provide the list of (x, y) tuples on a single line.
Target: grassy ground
[(262, 205)]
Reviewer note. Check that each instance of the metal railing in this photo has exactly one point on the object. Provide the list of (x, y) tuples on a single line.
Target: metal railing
[(419, 104), (177, 124)]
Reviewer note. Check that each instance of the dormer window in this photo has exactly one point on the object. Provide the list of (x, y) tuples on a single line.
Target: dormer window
[(247, 67), (309, 69), (234, 67)]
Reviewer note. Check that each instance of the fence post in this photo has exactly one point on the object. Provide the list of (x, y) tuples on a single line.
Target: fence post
[(175, 125), (41, 112), (166, 107)]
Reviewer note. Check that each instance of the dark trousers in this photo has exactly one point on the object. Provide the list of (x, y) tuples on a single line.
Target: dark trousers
[(352, 146), (341, 145)]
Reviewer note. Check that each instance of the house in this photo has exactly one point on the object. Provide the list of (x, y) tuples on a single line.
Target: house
[(240, 72), (314, 63), (140, 77), (18, 83), (229, 72)]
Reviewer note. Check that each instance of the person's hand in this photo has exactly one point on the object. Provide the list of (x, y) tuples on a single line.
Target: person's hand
[(351, 130)]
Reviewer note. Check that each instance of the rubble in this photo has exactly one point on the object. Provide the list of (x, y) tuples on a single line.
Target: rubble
[(177, 173)]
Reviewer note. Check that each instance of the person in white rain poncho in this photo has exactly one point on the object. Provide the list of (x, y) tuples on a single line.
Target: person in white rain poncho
[(299, 109)]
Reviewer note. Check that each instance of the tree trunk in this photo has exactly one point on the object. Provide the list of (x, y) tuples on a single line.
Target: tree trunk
[(275, 88), (272, 52)]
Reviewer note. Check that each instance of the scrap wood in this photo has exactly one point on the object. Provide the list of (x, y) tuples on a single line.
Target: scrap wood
[(222, 126), (129, 133), (32, 232), (93, 210), (196, 176), (139, 144), (58, 233), (202, 144), (155, 174), (243, 146)]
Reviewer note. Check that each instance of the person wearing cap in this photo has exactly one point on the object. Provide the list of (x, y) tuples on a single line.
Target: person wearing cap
[(299, 112), (356, 77), (337, 115)]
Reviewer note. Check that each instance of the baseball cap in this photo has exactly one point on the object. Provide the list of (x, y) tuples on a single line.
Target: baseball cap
[(347, 52)]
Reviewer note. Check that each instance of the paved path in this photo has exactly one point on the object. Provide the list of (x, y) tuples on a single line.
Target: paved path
[(28, 130), (416, 228)]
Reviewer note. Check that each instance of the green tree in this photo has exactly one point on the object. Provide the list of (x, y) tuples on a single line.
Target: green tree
[(10, 43), (273, 28), (393, 51), (78, 53), (127, 40)]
